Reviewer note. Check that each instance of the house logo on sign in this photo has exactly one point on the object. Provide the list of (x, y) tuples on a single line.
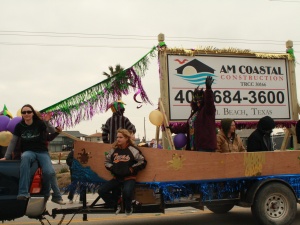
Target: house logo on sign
[(195, 72)]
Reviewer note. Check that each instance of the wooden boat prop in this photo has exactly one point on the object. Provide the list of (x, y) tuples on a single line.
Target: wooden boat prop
[(214, 175), (182, 166)]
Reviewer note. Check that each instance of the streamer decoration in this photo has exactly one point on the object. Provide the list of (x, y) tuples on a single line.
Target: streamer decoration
[(177, 127), (134, 97), (95, 99), (84, 177)]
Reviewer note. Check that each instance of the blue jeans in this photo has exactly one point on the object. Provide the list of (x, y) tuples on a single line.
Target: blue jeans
[(49, 177), (111, 199)]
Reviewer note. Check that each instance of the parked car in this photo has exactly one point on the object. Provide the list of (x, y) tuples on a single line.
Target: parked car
[(67, 147), (10, 207)]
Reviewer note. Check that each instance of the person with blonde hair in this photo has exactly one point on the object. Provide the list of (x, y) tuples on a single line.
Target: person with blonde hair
[(227, 139), (124, 161)]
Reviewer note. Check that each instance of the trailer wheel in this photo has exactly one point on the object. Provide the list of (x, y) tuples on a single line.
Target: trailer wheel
[(274, 204), (220, 208)]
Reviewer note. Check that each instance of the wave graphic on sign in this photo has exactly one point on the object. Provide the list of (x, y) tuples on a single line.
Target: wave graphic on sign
[(196, 79)]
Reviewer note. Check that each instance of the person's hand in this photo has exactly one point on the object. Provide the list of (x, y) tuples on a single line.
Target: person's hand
[(47, 116), (209, 81), (58, 129), (170, 126), (3, 159)]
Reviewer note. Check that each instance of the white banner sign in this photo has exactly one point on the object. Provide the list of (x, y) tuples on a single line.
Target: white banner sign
[(245, 88)]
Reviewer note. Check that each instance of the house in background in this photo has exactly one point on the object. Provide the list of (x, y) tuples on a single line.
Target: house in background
[(97, 137), (63, 142)]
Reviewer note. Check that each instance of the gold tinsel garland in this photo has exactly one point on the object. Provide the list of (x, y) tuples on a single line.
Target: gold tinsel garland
[(229, 51)]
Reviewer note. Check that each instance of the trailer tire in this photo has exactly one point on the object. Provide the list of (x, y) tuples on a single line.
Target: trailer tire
[(274, 204), (220, 208)]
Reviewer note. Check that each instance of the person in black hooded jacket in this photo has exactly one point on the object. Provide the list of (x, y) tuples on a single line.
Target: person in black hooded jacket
[(298, 131), (260, 139)]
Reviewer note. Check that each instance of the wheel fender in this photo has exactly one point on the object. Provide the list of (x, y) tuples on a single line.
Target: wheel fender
[(250, 195)]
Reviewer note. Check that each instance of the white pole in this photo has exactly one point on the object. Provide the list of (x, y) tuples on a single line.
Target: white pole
[(145, 130)]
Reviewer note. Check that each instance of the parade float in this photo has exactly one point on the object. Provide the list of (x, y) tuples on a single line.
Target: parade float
[(248, 85)]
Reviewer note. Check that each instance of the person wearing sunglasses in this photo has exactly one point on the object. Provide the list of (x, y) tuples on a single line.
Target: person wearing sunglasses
[(31, 134)]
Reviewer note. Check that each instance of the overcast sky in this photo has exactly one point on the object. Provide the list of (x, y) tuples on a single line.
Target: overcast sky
[(53, 49)]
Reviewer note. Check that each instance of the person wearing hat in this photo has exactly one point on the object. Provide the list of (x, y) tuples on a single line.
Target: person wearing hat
[(4, 112), (227, 139), (260, 139), (200, 127), (115, 122)]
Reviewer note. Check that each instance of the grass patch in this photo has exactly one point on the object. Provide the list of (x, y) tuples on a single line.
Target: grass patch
[(63, 179), (64, 170), (57, 155)]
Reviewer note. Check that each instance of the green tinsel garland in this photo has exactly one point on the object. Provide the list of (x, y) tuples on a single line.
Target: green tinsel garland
[(96, 98)]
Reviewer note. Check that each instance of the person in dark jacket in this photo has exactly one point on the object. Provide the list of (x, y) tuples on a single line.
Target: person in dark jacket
[(260, 139), (200, 126), (69, 162), (124, 161), (115, 122), (32, 135), (298, 131)]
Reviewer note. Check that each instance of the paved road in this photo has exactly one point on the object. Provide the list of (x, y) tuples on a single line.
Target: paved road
[(174, 216)]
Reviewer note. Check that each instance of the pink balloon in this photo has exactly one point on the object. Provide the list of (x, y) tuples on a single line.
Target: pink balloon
[(4, 120), (12, 123)]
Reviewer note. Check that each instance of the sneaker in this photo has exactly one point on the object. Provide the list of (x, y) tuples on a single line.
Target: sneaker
[(128, 213), (58, 201), (70, 201), (22, 197), (118, 210)]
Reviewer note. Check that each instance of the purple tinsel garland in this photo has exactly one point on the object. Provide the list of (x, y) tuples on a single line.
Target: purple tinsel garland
[(71, 115), (239, 124)]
